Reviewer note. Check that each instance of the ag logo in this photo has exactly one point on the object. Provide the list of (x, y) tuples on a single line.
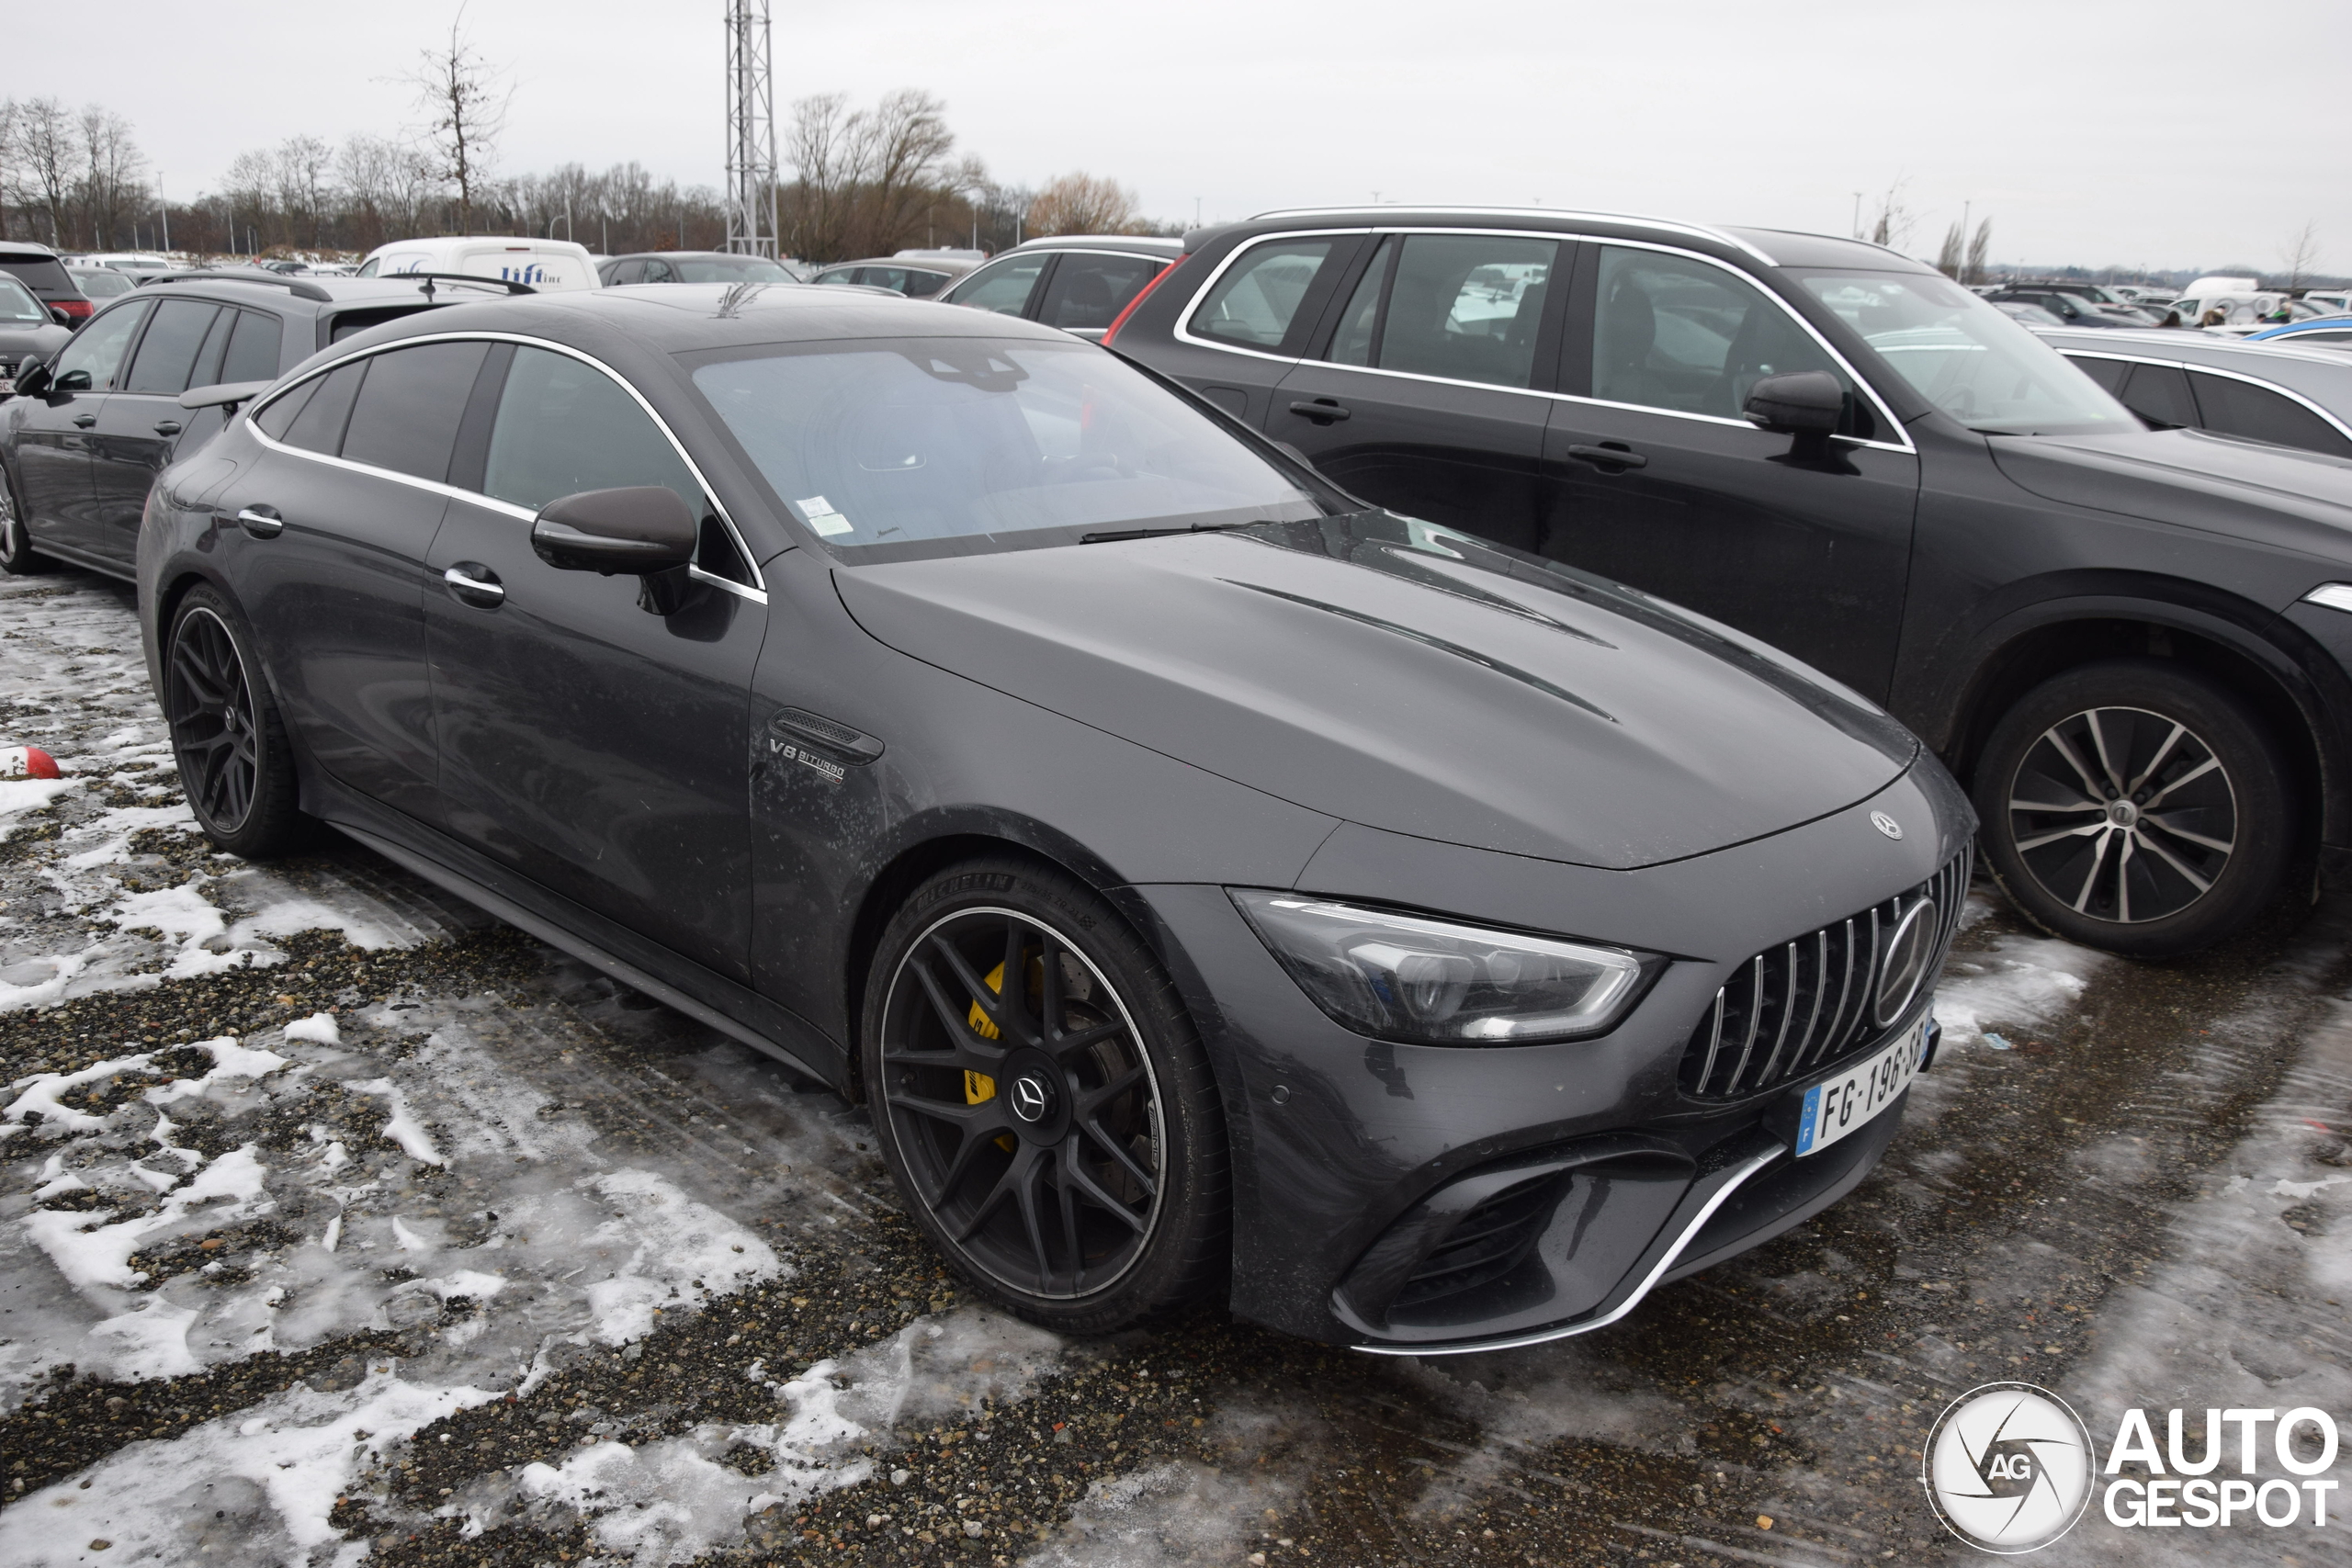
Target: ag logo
[(2008, 1468), (1887, 825)]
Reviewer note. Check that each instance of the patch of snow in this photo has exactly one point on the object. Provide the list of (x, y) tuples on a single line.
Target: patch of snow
[(319, 1026)]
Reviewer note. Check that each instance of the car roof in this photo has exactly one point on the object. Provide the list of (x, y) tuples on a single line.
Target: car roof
[(1770, 247), (1134, 245), (22, 249), (310, 296), (690, 255), (2276, 361), (917, 264)]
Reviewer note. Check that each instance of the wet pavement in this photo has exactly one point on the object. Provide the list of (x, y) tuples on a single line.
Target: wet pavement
[(339, 1222)]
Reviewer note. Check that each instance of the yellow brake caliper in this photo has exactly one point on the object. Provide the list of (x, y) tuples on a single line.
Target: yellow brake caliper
[(979, 1087)]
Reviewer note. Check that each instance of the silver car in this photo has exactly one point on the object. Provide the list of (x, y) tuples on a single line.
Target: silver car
[(2261, 391)]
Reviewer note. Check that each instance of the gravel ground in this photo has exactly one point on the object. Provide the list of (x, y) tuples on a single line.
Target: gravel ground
[(338, 1220)]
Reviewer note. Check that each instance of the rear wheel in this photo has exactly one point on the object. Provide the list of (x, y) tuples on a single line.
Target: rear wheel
[(17, 557), (1042, 1099), (235, 765), (2135, 806)]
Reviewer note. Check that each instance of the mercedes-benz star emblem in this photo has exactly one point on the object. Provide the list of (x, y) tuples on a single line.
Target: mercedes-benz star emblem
[(1886, 824), (1028, 1099)]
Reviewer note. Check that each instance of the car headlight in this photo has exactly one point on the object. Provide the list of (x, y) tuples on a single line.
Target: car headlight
[(1406, 978)]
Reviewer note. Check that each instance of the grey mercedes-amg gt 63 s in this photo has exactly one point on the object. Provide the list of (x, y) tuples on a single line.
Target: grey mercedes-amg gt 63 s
[(1209, 883)]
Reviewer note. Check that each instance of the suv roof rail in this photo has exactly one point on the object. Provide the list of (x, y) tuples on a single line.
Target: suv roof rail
[(300, 288), (1721, 237), (508, 284)]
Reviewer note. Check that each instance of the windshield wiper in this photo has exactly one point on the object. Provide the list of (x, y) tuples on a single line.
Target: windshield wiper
[(1109, 536)]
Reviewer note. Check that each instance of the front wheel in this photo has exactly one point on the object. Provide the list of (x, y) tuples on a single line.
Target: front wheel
[(1042, 1099), (2135, 806), (17, 557), (236, 768)]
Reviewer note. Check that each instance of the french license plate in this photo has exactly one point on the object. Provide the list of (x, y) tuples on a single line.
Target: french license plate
[(1841, 1106)]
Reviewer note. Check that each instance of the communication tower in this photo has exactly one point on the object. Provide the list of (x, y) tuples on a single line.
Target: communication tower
[(750, 131)]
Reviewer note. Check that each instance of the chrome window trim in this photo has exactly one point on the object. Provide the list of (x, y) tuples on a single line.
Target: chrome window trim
[(2289, 393), (759, 579), (1666, 224), (1877, 402)]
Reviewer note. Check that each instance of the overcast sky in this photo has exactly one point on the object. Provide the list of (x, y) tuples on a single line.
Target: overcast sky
[(2157, 133)]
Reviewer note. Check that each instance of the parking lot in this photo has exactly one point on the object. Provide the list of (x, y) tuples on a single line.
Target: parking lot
[(336, 1217)]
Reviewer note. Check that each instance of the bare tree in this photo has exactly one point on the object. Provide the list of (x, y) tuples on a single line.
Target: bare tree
[(2301, 253), (464, 98), (45, 146), (1947, 254), (1893, 223), (908, 142), (109, 186), (1980, 250), (299, 170), (10, 177), (1082, 204)]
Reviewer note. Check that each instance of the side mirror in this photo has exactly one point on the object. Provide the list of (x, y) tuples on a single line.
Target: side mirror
[(57, 313), (72, 381), (32, 377), (1803, 403), (643, 531)]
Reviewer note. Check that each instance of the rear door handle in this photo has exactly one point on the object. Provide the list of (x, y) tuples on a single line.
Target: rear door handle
[(1322, 411), (261, 522), (474, 584), (1609, 456), (167, 427), (84, 420)]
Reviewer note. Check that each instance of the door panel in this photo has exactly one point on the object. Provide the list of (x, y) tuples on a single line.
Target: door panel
[(142, 422), (1255, 322), (58, 431)]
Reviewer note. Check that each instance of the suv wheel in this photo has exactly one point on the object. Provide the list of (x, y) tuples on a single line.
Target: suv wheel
[(17, 557), (1042, 1099), (2135, 806), (235, 766)]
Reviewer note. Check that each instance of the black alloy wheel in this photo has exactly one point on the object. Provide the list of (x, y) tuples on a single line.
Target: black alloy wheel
[(2135, 806), (235, 766), (1041, 1100), (17, 557)]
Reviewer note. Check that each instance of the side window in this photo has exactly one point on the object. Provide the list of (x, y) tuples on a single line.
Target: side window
[(1255, 303), (841, 276), (1087, 292), (253, 348), (1673, 333), (2108, 373), (97, 349), (216, 343), (884, 277), (406, 416), (563, 427), (167, 354), (1001, 285), (657, 272), (627, 272), (922, 285), (2159, 395), (1466, 307), (319, 427), (1353, 342), (2235, 408), (273, 419)]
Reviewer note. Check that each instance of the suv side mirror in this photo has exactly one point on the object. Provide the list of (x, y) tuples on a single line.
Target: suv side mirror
[(72, 381), (57, 313), (32, 377), (643, 531), (1802, 402)]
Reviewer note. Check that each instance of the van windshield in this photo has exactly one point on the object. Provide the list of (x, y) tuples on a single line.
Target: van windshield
[(1967, 358)]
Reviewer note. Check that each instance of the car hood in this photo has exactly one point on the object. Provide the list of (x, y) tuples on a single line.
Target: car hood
[(16, 342), (1408, 677), (2248, 489)]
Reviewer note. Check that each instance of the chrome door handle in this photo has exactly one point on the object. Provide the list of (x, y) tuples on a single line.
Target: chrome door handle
[(167, 427), (475, 584), (84, 420), (261, 522)]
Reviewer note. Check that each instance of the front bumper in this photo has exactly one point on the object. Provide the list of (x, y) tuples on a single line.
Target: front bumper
[(1357, 1160)]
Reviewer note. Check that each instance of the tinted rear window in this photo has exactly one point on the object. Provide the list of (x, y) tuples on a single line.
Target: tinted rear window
[(319, 427), (349, 322), (407, 414), (167, 353), (253, 348), (2235, 408), (42, 275), (1255, 302)]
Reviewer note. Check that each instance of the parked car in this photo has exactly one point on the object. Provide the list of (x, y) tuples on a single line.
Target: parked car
[(918, 276), (2197, 380), (834, 669), (92, 425), (2030, 315), (550, 265), (691, 266), (37, 267), (1938, 512), (2328, 302), (1076, 282), (28, 331), (129, 261), (98, 282), (2074, 305), (2305, 334)]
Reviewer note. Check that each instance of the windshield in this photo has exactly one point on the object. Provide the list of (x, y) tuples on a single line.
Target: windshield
[(919, 441), (726, 269), (103, 284), (18, 304), (1966, 358)]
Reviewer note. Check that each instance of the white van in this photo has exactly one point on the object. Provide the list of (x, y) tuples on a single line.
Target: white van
[(550, 265)]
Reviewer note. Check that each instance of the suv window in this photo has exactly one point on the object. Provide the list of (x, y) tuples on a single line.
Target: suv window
[(1001, 285), (2108, 373), (42, 275), (563, 427), (166, 353), (2235, 408), (1672, 332), (1254, 304), (1087, 292), (1465, 306), (2159, 395), (254, 347), (97, 349), (406, 416)]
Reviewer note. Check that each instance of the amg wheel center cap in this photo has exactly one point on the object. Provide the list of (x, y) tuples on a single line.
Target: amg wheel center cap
[(1031, 1098), (2123, 813)]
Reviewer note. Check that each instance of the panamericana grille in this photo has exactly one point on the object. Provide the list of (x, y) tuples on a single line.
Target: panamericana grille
[(1799, 1007), (1485, 1245)]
